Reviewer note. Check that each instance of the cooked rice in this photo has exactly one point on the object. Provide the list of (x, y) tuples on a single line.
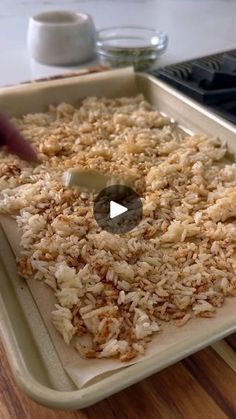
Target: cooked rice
[(116, 291)]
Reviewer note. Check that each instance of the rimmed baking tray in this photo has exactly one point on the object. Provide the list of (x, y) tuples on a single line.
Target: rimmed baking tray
[(32, 356)]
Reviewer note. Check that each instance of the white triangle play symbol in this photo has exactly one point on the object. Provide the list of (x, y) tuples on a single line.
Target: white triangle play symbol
[(116, 209)]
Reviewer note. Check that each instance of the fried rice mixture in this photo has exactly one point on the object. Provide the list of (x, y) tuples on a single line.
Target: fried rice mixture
[(115, 291)]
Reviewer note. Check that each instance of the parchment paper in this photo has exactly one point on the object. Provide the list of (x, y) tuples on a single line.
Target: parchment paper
[(82, 370)]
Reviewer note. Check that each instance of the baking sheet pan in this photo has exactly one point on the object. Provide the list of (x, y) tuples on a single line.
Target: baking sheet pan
[(33, 358)]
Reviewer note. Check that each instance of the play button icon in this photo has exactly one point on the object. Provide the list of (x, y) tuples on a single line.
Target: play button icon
[(118, 209)]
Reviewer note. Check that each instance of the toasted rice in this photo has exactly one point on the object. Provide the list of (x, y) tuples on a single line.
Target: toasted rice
[(113, 290)]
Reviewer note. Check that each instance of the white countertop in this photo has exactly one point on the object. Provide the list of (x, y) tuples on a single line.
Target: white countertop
[(195, 28)]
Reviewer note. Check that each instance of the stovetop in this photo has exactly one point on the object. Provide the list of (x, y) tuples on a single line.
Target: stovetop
[(210, 80)]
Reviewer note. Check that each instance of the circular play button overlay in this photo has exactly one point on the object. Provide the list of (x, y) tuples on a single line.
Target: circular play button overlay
[(118, 209)]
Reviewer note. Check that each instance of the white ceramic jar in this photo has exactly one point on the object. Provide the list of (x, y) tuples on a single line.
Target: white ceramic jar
[(61, 38)]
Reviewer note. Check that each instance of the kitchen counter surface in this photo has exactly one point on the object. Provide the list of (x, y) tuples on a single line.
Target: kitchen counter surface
[(195, 28), (204, 384), (201, 386)]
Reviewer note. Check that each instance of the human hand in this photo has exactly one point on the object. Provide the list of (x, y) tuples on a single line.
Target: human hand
[(14, 141)]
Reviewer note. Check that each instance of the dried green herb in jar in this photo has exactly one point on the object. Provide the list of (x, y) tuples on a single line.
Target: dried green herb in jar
[(140, 58), (125, 46)]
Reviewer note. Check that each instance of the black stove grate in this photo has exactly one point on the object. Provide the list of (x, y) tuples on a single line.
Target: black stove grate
[(210, 80)]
